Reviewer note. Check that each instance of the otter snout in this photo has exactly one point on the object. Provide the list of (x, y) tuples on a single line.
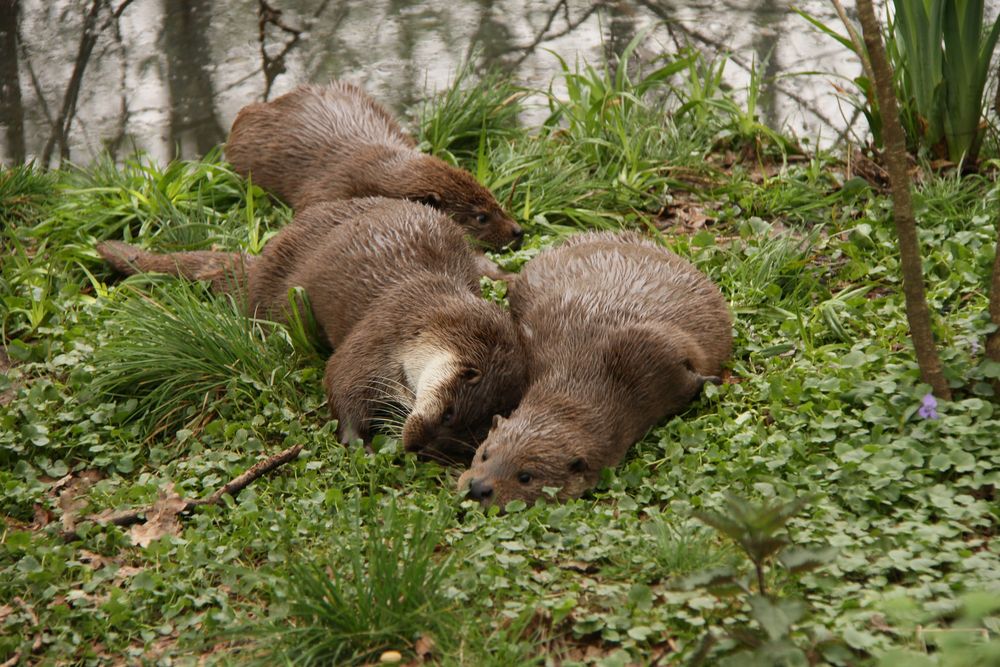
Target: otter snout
[(431, 439), (417, 434), (481, 490), (516, 234)]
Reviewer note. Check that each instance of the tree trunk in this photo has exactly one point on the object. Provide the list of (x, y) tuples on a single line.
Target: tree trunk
[(194, 124), (917, 312), (11, 109)]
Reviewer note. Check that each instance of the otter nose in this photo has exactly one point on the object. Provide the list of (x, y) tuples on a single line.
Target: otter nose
[(480, 489), (518, 235)]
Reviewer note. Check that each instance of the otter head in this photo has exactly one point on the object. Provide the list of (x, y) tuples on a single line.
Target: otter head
[(537, 447), (459, 383), (454, 191), (562, 434)]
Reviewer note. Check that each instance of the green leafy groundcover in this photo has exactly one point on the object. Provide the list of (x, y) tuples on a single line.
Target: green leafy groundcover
[(344, 556)]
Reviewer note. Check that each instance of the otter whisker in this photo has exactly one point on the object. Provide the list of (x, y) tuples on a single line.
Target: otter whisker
[(389, 404), (398, 391), (387, 416), (381, 396), (462, 444), (437, 457), (391, 383)]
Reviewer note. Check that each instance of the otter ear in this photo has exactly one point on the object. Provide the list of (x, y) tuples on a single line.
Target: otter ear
[(578, 465), (497, 420), (431, 199), (700, 379), (472, 376)]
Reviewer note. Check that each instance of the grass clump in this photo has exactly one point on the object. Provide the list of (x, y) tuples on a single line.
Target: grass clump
[(24, 191), (384, 589), (453, 123), (179, 350)]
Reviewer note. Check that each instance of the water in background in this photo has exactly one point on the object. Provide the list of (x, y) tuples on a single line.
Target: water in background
[(78, 77)]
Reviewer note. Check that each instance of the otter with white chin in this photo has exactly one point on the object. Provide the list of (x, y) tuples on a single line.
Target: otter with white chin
[(621, 333), (395, 292)]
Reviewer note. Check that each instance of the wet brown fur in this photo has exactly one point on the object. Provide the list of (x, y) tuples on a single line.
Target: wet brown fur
[(320, 143), (226, 271), (387, 281), (621, 333)]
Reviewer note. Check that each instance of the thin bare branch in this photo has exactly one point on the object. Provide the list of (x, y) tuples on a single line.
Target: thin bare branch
[(88, 39), (272, 66)]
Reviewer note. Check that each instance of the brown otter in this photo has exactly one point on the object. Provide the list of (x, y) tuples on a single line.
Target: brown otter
[(622, 333), (394, 290), (319, 143)]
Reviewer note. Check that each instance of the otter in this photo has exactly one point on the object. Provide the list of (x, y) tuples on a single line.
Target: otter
[(394, 291), (319, 143), (621, 333)]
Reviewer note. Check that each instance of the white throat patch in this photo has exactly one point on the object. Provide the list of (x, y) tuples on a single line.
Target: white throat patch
[(427, 367)]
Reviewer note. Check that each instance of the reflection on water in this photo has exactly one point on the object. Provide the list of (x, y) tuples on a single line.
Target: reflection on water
[(168, 76)]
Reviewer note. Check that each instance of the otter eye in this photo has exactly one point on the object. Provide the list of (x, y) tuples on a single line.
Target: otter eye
[(481, 218), (524, 477), (577, 465), (486, 455), (472, 375), (448, 416)]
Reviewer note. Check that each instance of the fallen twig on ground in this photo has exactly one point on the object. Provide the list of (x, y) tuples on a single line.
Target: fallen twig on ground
[(233, 487)]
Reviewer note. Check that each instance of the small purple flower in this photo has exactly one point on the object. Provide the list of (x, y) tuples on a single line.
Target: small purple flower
[(974, 345), (928, 406)]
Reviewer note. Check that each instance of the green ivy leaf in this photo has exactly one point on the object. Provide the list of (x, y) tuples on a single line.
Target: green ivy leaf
[(640, 596), (720, 576), (778, 617), (802, 559)]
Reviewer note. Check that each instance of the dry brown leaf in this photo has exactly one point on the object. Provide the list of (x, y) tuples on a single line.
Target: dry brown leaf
[(161, 519), (93, 599), (424, 648), (70, 503), (5, 611), (126, 571), (42, 518), (91, 476)]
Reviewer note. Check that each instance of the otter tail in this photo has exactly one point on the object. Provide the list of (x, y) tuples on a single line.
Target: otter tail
[(226, 271)]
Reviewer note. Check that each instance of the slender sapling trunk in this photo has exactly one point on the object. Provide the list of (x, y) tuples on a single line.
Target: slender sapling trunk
[(917, 312)]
